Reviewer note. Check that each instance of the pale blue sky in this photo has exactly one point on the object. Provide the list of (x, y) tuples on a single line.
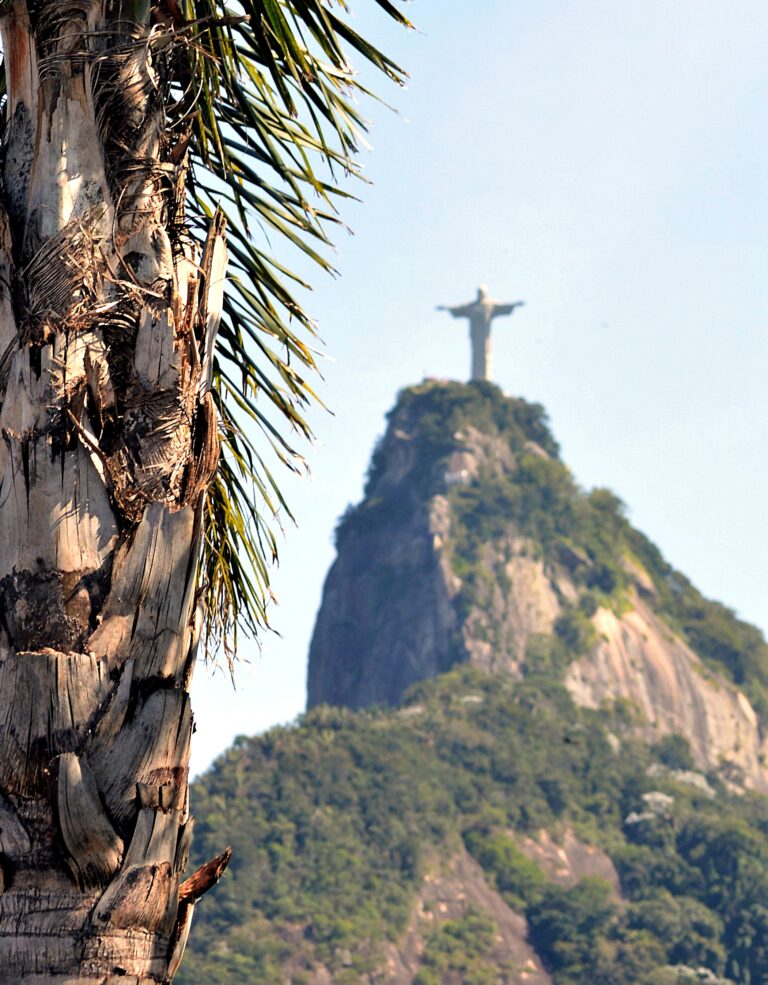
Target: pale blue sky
[(608, 163)]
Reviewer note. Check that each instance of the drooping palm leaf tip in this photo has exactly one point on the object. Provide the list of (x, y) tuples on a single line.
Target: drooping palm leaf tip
[(266, 94), (261, 109)]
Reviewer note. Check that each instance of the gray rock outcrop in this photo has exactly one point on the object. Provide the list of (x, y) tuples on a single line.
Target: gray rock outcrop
[(407, 599), (387, 617)]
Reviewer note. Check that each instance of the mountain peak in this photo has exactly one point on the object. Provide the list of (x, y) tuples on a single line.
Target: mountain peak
[(474, 544)]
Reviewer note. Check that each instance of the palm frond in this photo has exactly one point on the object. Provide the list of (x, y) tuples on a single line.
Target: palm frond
[(268, 107)]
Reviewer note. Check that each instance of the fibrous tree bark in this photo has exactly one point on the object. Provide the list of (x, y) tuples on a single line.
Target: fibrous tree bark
[(109, 312), (108, 439)]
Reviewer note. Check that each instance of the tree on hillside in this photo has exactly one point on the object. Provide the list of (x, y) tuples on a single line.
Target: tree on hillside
[(123, 367)]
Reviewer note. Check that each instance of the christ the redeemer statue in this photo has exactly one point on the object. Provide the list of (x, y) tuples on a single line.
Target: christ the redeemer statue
[(481, 313)]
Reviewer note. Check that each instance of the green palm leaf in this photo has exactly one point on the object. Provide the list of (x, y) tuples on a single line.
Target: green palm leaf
[(274, 122)]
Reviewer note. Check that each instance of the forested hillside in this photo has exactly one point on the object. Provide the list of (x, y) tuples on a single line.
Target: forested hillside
[(556, 769), (338, 825)]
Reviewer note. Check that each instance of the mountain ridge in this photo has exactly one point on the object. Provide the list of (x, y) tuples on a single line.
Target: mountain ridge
[(473, 543), (552, 768)]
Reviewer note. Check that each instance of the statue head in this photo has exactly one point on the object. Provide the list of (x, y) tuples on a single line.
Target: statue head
[(482, 292)]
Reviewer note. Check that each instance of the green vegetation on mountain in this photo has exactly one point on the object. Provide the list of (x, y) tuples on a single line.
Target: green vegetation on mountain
[(335, 822), (588, 532), (343, 825), (462, 946)]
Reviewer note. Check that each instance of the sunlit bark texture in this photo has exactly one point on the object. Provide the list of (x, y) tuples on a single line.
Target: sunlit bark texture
[(108, 439)]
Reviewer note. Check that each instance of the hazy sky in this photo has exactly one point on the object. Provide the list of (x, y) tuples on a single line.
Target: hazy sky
[(608, 164)]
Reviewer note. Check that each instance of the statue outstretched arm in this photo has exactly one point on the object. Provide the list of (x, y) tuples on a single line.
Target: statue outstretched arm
[(459, 311), (506, 309)]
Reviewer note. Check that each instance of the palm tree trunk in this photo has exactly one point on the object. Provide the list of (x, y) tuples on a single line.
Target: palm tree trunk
[(108, 440)]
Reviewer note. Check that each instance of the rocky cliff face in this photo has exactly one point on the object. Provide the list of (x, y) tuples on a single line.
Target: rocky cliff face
[(637, 658), (448, 893), (387, 618), (391, 614), (473, 544)]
